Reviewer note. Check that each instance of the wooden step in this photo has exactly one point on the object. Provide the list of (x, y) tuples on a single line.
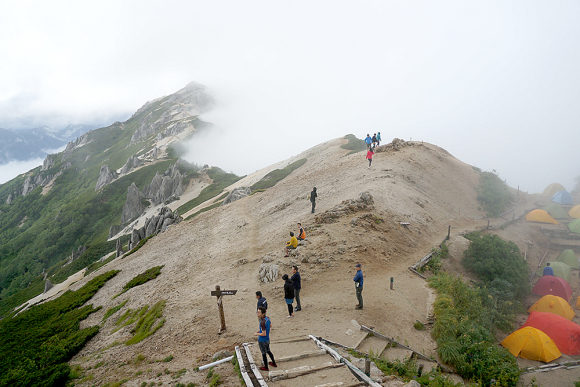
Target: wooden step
[(372, 343), (299, 371), (396, 353)]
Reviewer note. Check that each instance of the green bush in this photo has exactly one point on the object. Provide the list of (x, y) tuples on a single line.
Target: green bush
[(113, 310), (41, 340), (276, 175), (354, 144), (464, 332), (499, 264), (493, 194)]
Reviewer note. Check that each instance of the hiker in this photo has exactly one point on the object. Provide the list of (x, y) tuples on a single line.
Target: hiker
[(297, 286), (313, 197), (301, 233), (291, 244), (368, 141), (378, 138), (358, 283), (289, 295), (374, 140), (261, 300), (548, 270), (264, 339), (369, 157)]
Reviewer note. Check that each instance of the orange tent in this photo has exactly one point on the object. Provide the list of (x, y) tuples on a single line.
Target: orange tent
[(553, 304), (565, 333), (531, 343), (540, 216), (575, 212), (556, 286)]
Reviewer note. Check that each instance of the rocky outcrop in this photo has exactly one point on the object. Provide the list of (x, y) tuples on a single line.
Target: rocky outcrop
[(132, 163), (71, 146), (190, 101), (106, 176), (364, 203), (237, 194), (162, 188), (32, 182), (133, 206), (76, 254), (47, 286), (48, 162), (156, 224)]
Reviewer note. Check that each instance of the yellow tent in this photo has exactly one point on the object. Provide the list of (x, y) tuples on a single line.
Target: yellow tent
[(531, 343), (540, 216), (552, 189), (575, 212), (553, 304)]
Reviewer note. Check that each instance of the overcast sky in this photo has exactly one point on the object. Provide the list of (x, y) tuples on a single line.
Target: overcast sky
[(496, 83)]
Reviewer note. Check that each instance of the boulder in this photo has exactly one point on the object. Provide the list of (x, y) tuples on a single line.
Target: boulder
[(166, 223), (269, 272), (106, 176), (133, 206), (151, 226), (135, 238), (221, 354), (237, 194)]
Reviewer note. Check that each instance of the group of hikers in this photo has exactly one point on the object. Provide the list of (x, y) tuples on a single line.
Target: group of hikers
[(371, 144), (292, 287)]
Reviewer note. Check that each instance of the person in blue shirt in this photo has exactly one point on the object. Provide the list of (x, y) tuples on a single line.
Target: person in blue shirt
[(264, 339), (261, 300), (358, 283), (378, 138), (548, 270), (368, 141)]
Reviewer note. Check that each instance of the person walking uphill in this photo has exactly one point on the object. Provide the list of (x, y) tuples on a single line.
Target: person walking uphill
[(358, 283), (313, 197), (370, 154), (261, 300), (288, 294), (264, 339), (297, 286)]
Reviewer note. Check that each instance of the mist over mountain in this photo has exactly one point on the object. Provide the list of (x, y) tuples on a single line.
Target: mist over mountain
[(26, 144)]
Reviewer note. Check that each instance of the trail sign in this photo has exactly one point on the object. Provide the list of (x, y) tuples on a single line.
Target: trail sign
[(218, 293)]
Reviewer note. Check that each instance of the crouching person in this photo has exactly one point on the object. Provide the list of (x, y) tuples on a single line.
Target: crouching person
[(291, 244)]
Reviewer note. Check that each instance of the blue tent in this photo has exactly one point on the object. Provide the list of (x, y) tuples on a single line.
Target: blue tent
[(562, 197)]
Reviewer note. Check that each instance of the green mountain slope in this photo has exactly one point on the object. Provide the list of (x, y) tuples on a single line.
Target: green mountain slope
[(49, 212)]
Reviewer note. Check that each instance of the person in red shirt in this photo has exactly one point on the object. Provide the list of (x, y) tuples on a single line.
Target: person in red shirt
[(370, 156)]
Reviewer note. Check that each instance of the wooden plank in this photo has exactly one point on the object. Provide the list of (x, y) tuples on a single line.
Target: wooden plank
[(290, 340), (301, 371), (253, 366), (243, 370), (358, 373), (340, 384), (367, 329), (301, 356)]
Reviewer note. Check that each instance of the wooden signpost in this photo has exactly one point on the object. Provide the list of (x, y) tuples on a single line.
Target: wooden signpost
[(219, 294)]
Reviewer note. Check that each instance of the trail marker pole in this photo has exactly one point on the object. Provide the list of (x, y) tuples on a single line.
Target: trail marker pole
[(219, 294), (392, 280)]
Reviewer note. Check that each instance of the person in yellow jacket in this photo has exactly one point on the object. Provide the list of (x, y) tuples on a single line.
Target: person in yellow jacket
[(291, 244)]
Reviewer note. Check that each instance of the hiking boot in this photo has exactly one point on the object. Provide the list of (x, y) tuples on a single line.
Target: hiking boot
[(286, 256), (264, 368), (358, 307), (297, 309), (272, 364)]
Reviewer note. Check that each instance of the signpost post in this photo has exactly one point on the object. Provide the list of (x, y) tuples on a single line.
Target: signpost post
[(218, 293)]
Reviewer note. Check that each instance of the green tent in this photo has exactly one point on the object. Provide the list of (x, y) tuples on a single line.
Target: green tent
[(556, 211), (574, 226), (560, 270), (569, 258)]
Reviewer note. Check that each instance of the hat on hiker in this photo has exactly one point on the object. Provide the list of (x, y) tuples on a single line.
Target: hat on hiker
[(285, 277), (357, 265)]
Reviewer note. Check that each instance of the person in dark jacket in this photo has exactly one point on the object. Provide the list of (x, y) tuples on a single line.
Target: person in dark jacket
[(289, 295), (261, 300), (297, 286), (358, 282), (313, 197)]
